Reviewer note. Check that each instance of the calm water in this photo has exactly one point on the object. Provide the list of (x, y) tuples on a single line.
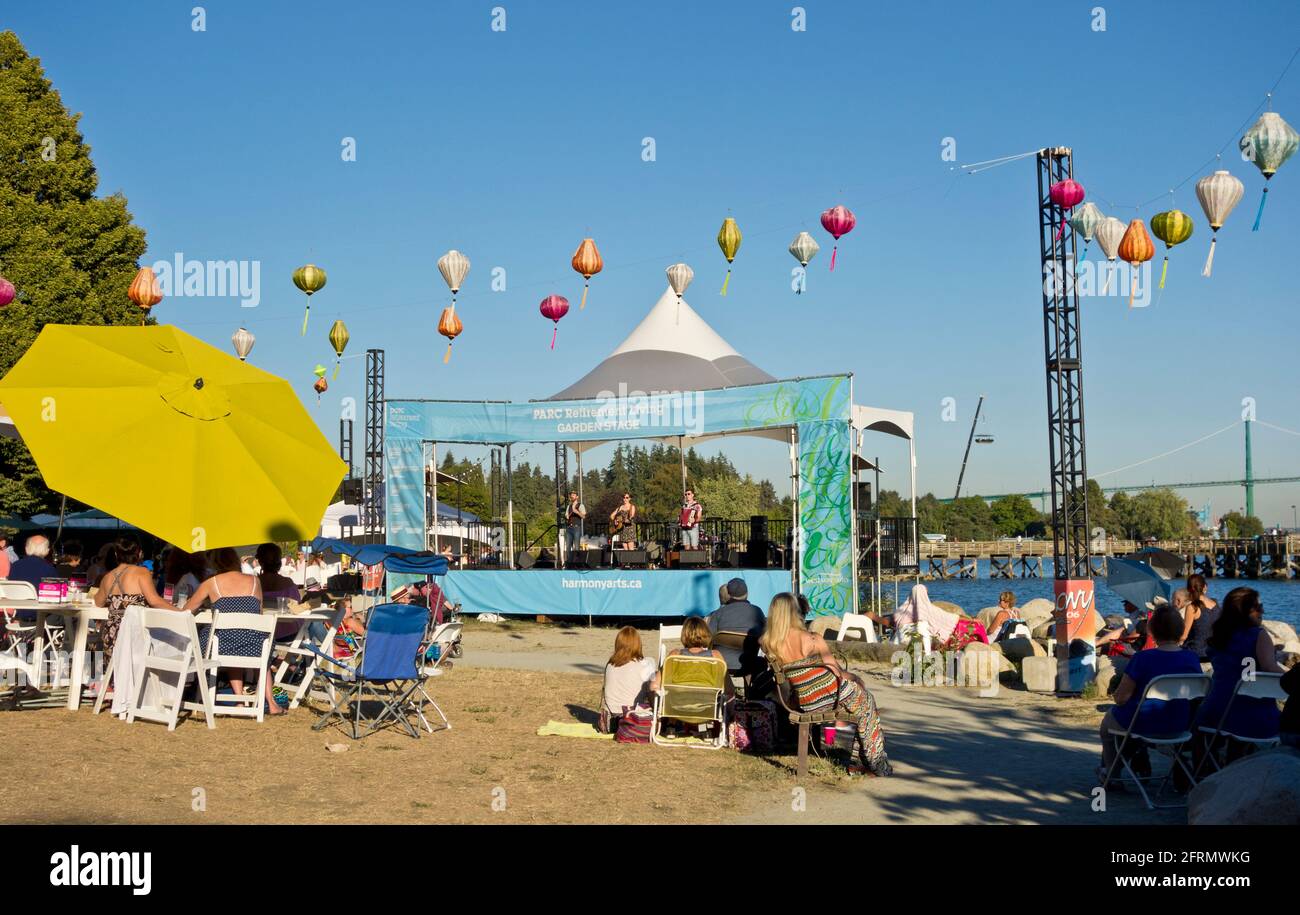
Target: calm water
[(1281, 599)]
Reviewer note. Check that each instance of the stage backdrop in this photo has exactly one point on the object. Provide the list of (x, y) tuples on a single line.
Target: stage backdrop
[(818, 408)]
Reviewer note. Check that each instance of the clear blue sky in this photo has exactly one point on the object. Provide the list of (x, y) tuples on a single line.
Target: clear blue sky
[(512, 146)]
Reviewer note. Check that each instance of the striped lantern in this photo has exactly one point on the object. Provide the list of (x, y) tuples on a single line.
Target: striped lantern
[(838, 220), (1136, 247), (311, 280), (321, 385), (729, 241), (243, 342), (145, 291), (587, 261), (1173, 227), (454, 267), (804, 248), (450, 327), (1084, 221), (1219, 195), (1269, 144), (339, 340), (1109, 233), (1065, 194), (679, 277), (554, 307)]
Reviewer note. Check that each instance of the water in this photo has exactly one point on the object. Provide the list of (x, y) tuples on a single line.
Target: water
[(1280, 597)]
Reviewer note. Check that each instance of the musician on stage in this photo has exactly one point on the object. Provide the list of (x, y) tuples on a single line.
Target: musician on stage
[(573, 517), (622, 525), (689, 519)]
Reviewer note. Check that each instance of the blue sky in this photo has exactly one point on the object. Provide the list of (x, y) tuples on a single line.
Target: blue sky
[(511, 146)]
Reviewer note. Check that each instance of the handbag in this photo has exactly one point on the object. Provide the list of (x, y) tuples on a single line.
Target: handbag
[(635, 725), (752, 726)]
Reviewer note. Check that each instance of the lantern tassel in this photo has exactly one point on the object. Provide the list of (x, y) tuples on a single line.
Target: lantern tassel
[(1132, 286), (1105, 287), (555, 330), (447, 356), (1164, 270), (1263, 198), (726, 281), (305, 315), (336, 370), (1078, 261), (583, 303), (1209, 261), (834, 248)]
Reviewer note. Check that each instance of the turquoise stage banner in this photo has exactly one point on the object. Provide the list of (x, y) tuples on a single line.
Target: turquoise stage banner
[(605, 592)]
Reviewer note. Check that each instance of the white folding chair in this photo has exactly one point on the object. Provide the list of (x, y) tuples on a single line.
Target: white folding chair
[(172, 650), (22, 632), (1168, 688), (667, 634), (1262, 686), (308, 659), (902, 634), (248, 706), (857, 622), (445, 637)]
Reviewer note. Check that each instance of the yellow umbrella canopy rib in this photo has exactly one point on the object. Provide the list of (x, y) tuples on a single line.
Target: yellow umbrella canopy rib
[(172, 435)]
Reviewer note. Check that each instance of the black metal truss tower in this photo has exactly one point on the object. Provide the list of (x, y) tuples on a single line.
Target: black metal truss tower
[(374, 508)]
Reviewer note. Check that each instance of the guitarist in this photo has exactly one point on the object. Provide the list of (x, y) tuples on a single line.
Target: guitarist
[(573, 516), (622, 525)]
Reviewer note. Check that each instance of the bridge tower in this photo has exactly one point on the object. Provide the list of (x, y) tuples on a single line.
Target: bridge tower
[(1250, 476)]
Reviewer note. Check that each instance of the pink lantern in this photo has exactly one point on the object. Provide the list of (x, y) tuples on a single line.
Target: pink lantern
[(7, 292), (1065, 194), (838, 220), (554, 307)]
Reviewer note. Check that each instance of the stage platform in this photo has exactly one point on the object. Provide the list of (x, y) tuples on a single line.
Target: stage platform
[(605, 592)]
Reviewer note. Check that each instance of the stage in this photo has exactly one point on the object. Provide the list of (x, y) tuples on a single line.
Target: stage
[(605, 592)]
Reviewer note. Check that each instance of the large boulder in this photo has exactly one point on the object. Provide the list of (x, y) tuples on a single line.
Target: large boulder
[(1109, 674), (949, 606), (986, 617), (1039, 674), (1003, 663), (1037, 611), (1021, 648), (1284, 637), (821, 624), (1262, 789)]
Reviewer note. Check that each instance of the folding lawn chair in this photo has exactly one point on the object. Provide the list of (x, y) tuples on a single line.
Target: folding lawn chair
[(691, 691), (667, 634), (21, 636), (386, 670), (445, 637), (1168, 688), (180, 658), (1263, 686), (299, 654)]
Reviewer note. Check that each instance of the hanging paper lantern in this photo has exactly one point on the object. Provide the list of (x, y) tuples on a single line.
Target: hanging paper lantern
[(1219, 194), (586, 260), (243, 342), (450, 327), (1084, 221), (1269, 144), (145, 290), (1173, 227), (804, 248), (1065, 194), (729, 241), (679, 277), (454, 267), (554, 307), (838, 220), (311, 280), (339, 340), (1136, 247), (321, 384), (7, 292), (1109, 233)]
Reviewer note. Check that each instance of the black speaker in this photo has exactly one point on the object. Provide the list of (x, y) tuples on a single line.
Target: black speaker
[(757, 527), (524, 560), (352, 491), (756, 554), (864, 495), (732, 559), (631, 558), (545, 559), (692, 559), (584, 559)]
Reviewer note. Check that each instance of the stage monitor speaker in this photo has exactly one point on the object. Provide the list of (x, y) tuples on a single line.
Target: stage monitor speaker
[(352, 491), (631, 558), (756, 555), (692, 559), (584, 559), (524, 560), (864, 495), (732, 559), (757, 528)]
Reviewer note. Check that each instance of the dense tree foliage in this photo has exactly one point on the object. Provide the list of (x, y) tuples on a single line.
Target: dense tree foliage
[(70, 255), (1236, 524)]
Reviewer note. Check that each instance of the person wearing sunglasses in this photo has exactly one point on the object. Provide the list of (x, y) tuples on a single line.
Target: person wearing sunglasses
[(1239, 645)]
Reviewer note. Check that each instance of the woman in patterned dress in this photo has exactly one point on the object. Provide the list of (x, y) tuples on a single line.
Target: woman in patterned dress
[(126, 583), (231, 591), (817, 685)]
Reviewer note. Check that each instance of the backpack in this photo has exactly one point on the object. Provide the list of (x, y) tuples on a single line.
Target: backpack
[(752, 726)]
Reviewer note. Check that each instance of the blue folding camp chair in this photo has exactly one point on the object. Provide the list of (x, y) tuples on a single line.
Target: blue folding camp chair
[(386, 671)]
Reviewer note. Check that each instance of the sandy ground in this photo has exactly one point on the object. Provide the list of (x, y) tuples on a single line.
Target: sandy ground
[(959, 758)]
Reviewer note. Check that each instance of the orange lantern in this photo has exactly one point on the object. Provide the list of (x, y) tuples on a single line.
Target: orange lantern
[(1136, 247), (586, 260), (145, 290), (450, 327)]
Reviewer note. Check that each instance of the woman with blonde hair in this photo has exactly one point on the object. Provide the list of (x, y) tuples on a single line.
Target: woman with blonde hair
[(626, 676), (818, 680)]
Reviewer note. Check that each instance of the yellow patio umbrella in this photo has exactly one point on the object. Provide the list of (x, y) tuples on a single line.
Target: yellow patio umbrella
[(171, 434)]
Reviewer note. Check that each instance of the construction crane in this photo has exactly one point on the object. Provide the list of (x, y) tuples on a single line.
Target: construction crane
[(981, 439)]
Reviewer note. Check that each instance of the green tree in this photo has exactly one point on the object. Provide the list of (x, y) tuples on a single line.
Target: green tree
[(729, 497), (1013, 515), (968, 518), (1159, 513), (70, 255), (1236, 524)]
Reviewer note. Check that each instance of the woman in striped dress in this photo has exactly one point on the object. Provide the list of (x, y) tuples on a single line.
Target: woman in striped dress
[(785, 641), (231, 591)]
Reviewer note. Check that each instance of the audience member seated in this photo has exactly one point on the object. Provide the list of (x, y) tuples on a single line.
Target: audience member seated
[(35, 565), (1005, 619), (182, 574), (1156, 717), (786, 642), (69, 564), (737, 614), (126, 583), (1202, 610), (1235, 637), (918, 608), (627, 677), (697, 642)]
